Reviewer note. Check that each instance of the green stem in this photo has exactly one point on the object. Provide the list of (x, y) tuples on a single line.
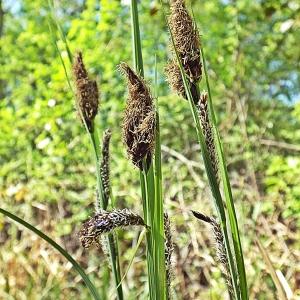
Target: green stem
[(102, 203), (100, 199), (159, 209), (228, 194), (136, 39), (158, 216), (115, 263), (62, 251), (217, 197), (151, 191)]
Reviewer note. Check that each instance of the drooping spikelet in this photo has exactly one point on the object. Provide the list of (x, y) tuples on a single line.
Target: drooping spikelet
[(186, 39), (169, 247), (139, 119), (208, 132), (87, 94), (220, 247), (104, 222), (104, 166)]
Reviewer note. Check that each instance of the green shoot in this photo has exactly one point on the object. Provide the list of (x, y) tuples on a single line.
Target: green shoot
[(61, 250)]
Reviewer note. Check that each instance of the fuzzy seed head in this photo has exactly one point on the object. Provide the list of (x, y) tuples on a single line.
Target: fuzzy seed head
[(208, 132), (174, 78), (139, 118), (186, 39), (87, 94), (105, 222)]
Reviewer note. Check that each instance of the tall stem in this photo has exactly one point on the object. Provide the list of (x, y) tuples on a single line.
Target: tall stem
[(228, 195), (151, 189)]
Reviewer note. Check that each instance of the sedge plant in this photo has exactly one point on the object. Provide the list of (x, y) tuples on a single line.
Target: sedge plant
[(142, 138), (141, 135), (184, 75)]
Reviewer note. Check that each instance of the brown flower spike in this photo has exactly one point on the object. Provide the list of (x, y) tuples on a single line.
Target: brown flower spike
[(175, 81), (139, 119), (174, 78), (220, 246), (104, 166), (208, 132), (87, 94), (105, 222), (187, 44), (169, 247)]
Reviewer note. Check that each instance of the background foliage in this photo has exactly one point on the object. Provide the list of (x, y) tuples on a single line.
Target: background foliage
[(47, 175)]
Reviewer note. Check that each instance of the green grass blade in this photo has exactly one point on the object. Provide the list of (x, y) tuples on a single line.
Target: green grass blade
[(158, 209), (228, 193), (210, 174), (114, 259), (136, 39), (62, 251), (61, 33), (53, 36), (140, 239), (154, 286)]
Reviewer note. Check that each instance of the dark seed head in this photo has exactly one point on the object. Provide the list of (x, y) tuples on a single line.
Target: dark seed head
[(175, 81), (186, 39), (208, 133), (105, 168), (174, 78), (139, 119), (105, 222), (87, 94)]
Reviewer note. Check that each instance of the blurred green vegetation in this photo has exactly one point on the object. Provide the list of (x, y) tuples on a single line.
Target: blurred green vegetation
[(47, 175)]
